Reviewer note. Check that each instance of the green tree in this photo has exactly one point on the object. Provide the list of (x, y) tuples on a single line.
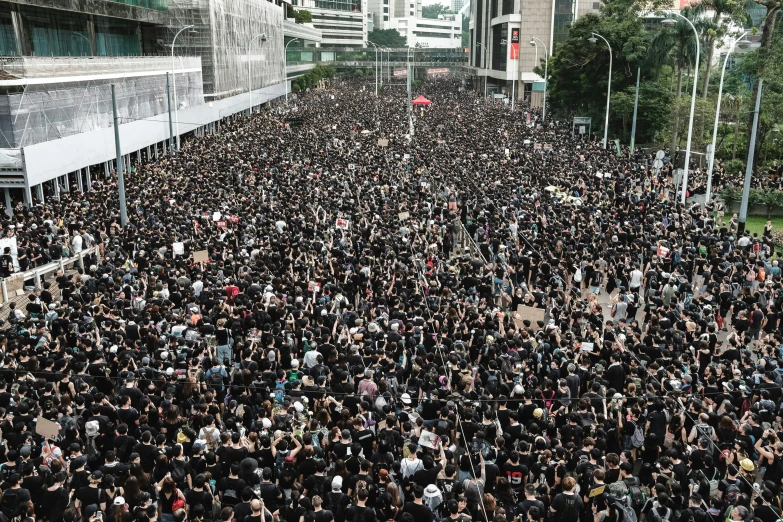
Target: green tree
[(303, 16), (432, 11), (387, 38)]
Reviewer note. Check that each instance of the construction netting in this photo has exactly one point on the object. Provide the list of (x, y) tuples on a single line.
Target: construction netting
[(222, 37), (40, 112)]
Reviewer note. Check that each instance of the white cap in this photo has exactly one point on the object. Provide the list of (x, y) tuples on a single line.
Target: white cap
[(405, 398)]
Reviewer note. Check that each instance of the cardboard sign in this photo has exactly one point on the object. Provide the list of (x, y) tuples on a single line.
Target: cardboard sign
[(383, 142), (429, 440), (313, 287), (342, 224), (588, 347), (47, 428), (201, 256), (403, 216), (530, 314), (179, 248), (221, 223)]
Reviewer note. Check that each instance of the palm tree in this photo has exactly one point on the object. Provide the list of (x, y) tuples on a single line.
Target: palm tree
[(716, 27), (675, 46)]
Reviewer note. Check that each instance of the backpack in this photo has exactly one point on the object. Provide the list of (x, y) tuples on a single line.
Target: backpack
[(230, 498), (318, 487), (216, 378), (10, 505), (92, 429), (637, 439), (492, 383), (448, 489), (665, 516), (212, 442), (731, 495), (570, 510), (442, 427), (280, 391), (294, 375), (178, 474), (636, 498), (585, 420), (336, 505)]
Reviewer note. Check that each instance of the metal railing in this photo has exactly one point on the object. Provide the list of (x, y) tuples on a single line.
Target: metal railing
[(463, 241), (13, 287)]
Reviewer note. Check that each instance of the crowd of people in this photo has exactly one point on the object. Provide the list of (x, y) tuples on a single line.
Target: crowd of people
[(331, 313)]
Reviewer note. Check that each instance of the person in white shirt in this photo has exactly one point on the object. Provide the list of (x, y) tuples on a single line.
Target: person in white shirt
[(76, 243), (636, 279), (198, 286)]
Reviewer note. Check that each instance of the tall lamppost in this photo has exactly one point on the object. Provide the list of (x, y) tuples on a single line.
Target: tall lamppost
[(711, 163), (249, 73), (668, 22), (174, 79), (533, 41), (285, 67), (593, 40), (376, 67)]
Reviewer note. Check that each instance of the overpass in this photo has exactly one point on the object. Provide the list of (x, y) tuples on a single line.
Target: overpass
[(341, 58)]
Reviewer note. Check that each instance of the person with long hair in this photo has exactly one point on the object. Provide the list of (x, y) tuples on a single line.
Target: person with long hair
[(118, 511), (167, 494)]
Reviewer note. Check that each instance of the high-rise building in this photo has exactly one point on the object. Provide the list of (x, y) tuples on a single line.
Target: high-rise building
[(456, 5), (342, 22), (405, 17), (500, 36)]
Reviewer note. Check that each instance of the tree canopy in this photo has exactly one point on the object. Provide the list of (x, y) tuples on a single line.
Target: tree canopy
[(387, 38)]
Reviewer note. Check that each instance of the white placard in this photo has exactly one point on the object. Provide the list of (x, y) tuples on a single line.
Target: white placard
[(179, 248)]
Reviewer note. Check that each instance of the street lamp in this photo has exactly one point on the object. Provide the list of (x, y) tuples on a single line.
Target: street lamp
[(669, 22), (711, 163), (285, 68), (594, 40), (174, 78), (533, 40), (486, 69), (249, 73), (376, 67)]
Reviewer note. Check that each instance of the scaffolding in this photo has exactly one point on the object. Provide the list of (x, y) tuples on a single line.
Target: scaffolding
[(223, 31), (57, 97)]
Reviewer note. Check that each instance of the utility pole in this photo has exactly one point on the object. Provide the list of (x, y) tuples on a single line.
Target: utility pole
[(171, 121), (120, 180), (635, 108), (743, 215)]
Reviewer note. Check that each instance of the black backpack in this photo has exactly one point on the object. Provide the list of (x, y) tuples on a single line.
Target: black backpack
[(318, 487), (336, 502), (178, 474), (10, 505)]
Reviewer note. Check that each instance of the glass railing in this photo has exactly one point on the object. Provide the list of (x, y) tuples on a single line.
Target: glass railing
[(158, 5)]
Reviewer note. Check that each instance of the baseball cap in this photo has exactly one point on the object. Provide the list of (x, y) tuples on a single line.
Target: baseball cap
[(405, 398), (89, 511)]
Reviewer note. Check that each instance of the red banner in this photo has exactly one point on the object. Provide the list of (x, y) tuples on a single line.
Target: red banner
[(515, 44)]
